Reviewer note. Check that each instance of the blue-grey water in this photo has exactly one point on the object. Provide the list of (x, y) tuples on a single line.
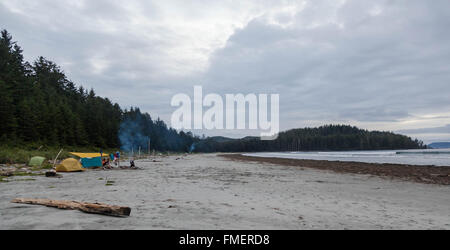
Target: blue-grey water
[(440, 157)]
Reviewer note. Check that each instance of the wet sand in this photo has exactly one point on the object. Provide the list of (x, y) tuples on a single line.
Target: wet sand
[(421, 174), (211, 192)]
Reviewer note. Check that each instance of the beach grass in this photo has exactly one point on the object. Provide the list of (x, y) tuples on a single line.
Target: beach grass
[(28, 179), (110, 183), (2, 179), (23, 154)]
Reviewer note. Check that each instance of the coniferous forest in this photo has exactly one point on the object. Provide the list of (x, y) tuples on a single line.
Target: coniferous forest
[(40, 105), (325, 138)]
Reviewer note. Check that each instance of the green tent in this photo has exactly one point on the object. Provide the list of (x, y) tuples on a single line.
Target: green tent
[(36, 161)]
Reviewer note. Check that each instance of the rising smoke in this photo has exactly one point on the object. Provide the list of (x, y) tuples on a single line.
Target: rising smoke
[(138, 129), (131, 137)]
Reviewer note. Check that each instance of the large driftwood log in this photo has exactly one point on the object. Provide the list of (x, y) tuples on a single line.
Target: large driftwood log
[(92, 208)]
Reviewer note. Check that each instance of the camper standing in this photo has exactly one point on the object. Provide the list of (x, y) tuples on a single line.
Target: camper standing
[(118, 158)]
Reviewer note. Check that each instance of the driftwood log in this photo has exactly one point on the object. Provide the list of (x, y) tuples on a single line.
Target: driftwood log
[(92, 208)]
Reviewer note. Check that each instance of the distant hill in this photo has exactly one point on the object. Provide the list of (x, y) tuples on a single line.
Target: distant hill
[(439, 145), (325, 138), (220, 139), (226, 139)]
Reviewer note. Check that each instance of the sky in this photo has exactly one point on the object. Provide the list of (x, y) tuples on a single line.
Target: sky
[(375, 64)]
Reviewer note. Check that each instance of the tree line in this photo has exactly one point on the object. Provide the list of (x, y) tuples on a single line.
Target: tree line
[(39, 105), (325, 138)]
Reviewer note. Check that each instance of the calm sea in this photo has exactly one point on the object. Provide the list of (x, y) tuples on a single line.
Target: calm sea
[(435, 157)]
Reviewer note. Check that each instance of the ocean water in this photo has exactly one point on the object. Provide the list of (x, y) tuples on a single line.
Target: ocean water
[(437, 157)]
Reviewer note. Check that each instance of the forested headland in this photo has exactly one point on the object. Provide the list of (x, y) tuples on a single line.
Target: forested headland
[(325, 138), (40, 106)]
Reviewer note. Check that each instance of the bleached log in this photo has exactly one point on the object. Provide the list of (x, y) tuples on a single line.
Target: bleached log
[(92, 208)]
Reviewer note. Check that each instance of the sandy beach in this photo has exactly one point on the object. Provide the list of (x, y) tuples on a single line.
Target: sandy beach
[(208, 191)]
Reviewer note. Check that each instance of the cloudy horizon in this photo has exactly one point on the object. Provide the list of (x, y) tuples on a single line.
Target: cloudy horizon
[(379, 65)]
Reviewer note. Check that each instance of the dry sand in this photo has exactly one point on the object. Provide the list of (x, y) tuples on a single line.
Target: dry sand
[(210, 192)]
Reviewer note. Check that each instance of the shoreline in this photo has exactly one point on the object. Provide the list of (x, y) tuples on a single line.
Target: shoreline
[(208, 192), (421, 174)]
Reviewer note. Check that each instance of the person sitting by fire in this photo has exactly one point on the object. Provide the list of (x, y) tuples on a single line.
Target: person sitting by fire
[(106, 163)]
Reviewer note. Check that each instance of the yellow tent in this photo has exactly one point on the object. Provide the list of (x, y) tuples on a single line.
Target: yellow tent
[(89, 155), (69, 165)]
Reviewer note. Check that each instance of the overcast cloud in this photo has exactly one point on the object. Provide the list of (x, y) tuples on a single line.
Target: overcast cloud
[(381, 64)]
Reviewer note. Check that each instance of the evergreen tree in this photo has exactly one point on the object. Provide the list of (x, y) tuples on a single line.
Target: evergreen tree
[(38, 103)]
